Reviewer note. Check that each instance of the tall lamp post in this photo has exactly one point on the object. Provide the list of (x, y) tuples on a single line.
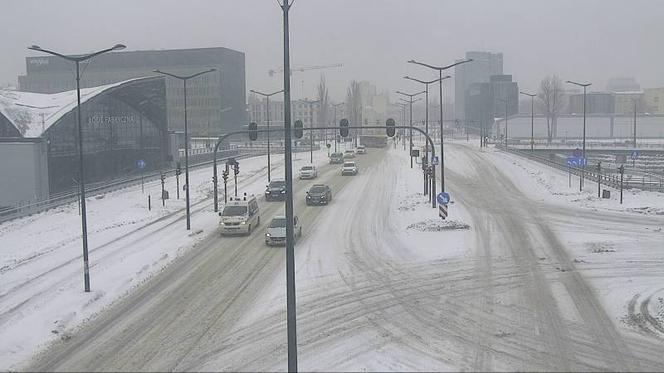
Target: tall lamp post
[(410, 102), (335, 106), (84, 225), (426, 115), (532, 119), (583, 167), (311, 133), (291, 318), (186, 134), (440, 70), (267, 98)]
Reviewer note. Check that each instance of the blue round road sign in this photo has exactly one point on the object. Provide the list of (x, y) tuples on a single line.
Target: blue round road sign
[(140, 164), (443, 198)]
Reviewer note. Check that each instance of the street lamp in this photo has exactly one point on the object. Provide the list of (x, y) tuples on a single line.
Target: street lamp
[(186, 134), (410, 102), (583, 170), (84, 225), (426, 116), (311, 132), (267, 97), (532, 119), (440, 93), (291, 318), (335, 122)]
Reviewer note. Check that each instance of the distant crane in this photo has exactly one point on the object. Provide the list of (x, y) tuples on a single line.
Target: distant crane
[(303, 68)]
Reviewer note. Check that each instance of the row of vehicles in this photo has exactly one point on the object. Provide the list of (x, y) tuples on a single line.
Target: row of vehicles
[(241, 214)]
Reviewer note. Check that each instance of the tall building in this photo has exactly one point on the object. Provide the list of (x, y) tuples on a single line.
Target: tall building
[(622, 85), (596, 103), (486, 101), (215, 100), (484, 65), (654, 100)]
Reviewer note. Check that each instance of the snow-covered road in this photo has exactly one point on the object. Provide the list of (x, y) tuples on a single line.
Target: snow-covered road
[(383, 285)]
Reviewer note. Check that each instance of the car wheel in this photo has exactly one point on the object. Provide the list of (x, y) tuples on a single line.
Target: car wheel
[(259, 221), (249, 230)]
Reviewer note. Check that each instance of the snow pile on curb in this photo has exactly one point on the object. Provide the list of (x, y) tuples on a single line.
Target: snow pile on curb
[(437, 225)]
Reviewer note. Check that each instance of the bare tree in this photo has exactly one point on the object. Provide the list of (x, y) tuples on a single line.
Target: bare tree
[(354, 103), (323, 102), (551, 97)]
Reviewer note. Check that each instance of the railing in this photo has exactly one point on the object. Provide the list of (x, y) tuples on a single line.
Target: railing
[(610, 179)]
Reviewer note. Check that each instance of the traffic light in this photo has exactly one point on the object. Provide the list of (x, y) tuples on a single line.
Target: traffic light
[(389, 124), (224, 175), (298, 129), (344, 127), (162, 177), (253, 131), (236, 168)]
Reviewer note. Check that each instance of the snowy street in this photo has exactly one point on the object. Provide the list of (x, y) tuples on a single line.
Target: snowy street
[(524, 276)]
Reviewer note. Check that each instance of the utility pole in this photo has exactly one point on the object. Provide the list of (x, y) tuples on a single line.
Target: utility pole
[(290, 244), (410, 101), (84, 224), (186, 134), (532, 119), (267, 98), (583, 170), (440, 70), (311, 124)]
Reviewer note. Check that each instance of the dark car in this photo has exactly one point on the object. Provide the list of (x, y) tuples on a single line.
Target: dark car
[(276, 191), (337, 158), (319, 194)]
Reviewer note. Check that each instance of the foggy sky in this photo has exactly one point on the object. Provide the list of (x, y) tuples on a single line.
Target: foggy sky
[(589, 40)]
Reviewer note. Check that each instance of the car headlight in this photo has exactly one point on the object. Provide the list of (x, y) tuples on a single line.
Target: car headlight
[(267, 235), (243, 222)]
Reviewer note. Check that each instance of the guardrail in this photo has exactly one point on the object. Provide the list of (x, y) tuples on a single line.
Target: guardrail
[(64, 198), (610, 179)]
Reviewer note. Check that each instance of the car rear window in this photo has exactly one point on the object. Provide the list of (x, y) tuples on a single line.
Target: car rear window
[(277, 184), (306, 168), (349, 164), (317, 189)]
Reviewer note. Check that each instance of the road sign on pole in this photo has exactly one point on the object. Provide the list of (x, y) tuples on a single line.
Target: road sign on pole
[(140, 164), (442, 211), (443, 198), (635, 154), (434, 161)]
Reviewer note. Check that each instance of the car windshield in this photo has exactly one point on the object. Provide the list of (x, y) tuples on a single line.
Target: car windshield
[(234, 211), (337, 154), (307, 168), (317, 189), (349, 164), (277, 223), (277, 184)]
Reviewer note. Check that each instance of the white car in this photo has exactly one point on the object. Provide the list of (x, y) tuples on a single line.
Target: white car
[(349, 168), (361, 149), (349, 154), (308, 172), (275, 233), (239, 216)]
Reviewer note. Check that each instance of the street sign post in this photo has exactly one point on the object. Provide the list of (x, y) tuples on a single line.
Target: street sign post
[(443, 199), (635, 154), (140, 164), (434, 161)]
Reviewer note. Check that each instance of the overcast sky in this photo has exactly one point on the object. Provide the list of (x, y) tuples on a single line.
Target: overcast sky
[(589, 40)]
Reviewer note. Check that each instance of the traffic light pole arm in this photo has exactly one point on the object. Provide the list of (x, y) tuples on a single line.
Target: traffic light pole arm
[(245, 132)]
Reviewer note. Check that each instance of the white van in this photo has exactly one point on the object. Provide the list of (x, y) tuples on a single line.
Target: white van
[(240, 215)]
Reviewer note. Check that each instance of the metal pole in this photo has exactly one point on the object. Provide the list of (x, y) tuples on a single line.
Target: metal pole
[(622, 172), (290, 244), (335, 123), (634, 124), (186, 155), (532, 123), (140, 124), (599, 177), (268, 139), (583, 170), (442, 152), (84, 223), (506, 102), (426, 129), (411, 131)]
